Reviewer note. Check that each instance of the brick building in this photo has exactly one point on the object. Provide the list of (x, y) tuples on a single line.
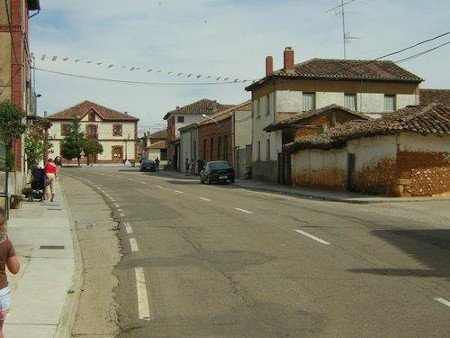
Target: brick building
[(116, 131), (402, 154), (15, 62)]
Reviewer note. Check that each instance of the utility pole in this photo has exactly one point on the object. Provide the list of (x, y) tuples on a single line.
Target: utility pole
[(344, 35)]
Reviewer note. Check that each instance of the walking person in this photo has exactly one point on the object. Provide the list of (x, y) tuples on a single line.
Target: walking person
[(8, 259), (157, 164), (50, 173), (58, 164), (192, 167)]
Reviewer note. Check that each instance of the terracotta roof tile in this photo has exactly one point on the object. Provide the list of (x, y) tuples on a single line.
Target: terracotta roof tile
[(159, 134), (81, 109), (158, 145), (428, 96), (225, 113), (291, 120), (338, 69), (204, 106), (430, 119)]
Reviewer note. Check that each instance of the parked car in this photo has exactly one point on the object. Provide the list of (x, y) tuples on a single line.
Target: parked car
[(148, 165), (217, 171)]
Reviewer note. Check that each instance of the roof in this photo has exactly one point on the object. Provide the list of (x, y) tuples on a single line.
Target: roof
[(204, 106), (338, 69), (428, 96), (290, 121), (226, 113), (81, 109), (158, 145), (431, 119), (159, 134)]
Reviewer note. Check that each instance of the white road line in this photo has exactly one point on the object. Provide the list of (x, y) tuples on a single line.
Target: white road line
[(179, 192), (205, 199), (128, 228), (312, 237), (443, 301), (243, 210), (133, 244), (144, 182), (158, 186), (143, 308)]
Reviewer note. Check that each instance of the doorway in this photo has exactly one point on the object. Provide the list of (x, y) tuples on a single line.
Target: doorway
[(351, 172)]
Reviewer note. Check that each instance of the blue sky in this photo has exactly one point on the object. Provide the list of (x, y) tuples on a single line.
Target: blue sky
[(227, 38)]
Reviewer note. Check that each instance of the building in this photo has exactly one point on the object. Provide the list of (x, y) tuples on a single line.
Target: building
[(183, 116), (441, 96), (402, 154), (370, 87), (16, 84), (116, 131), (156, 146), (309, 123)]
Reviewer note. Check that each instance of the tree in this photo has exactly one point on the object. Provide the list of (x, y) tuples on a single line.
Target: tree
[(73, 141), (91, 148), (36, 142), (11, 128)]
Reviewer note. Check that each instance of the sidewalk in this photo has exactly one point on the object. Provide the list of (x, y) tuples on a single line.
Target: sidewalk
[(326, 195), (43, 303)]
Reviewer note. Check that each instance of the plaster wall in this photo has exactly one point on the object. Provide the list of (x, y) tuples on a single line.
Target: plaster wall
[(188, 119), (242, 129)]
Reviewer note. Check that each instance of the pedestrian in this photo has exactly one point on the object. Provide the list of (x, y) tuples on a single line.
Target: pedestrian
[(192, 167), (186, 166), (50, 174), (157, 164), (8, 259), (58, 164)]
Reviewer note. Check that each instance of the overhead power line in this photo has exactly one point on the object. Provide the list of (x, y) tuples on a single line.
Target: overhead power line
[(422, 53), (139, 82)]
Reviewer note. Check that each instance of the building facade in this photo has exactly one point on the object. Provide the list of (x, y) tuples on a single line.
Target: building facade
[(16, 84), (116, 131), (370, 87)]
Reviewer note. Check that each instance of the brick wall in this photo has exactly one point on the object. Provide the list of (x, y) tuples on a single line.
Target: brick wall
[(218, 138)]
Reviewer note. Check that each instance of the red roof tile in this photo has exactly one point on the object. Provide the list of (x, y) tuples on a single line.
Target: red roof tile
[(428, 96), (204, 106), (81, 109)]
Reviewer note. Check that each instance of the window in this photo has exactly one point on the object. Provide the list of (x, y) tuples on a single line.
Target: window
[(91, 117), (163, 154), (267, 105), (309, 101), (219, 144), (268, 149), (259, 150), (65, 129), (211, 149), (225, 147), (91, 131), (117, 130), (180, 119), (350, 101), (389, 103), (256, 107), (204, 149)]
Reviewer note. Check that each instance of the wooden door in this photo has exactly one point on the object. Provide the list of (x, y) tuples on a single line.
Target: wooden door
[(117, 154)]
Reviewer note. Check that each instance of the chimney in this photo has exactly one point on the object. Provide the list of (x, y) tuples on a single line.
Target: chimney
[(125, 112), (269, 65), (177, 107), (45, 113), (289, 64)]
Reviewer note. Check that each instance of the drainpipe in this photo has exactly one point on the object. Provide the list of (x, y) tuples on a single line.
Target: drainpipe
[(233, 119)]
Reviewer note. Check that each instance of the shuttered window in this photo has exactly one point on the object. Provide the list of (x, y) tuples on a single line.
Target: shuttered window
[(309, 101), (389, 103), (350, 101), (268, 149)]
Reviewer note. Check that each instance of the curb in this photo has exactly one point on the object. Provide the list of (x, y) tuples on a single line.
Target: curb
[(67, 319)]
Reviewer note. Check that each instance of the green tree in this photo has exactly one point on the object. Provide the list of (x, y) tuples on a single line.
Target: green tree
[(91, 148), (73, 141), (36, 142), (11, 128)]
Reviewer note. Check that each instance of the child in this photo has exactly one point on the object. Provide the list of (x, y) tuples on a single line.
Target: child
[(7, 258)]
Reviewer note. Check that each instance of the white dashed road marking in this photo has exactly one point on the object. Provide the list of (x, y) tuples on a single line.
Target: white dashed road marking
[(143, 308), (144, 182), (243, 210), (133, 244), (312, 237), (158, 186), (128, 228), (179, 192), (443, 301), (205, 199)]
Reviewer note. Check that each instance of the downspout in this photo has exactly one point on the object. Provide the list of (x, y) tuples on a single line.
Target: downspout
[(233, 119)]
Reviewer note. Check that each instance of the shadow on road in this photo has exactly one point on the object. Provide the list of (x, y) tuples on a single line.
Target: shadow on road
[(431, 248)]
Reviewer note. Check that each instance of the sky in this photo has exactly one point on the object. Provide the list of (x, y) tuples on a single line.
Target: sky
[(217, 38)]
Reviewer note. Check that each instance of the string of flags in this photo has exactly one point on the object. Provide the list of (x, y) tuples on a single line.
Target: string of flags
[(55, 58)]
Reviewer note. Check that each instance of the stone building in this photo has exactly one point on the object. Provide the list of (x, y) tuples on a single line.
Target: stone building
[(406, 153), (370, 87), (116, 131)]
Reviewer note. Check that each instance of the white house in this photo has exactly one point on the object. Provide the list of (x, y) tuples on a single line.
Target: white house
[(370, 87), (115, 131)]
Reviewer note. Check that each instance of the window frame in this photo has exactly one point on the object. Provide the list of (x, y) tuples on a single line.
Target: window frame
[(180, 119), (354, 99), (268, 105), (308, 94), (65, 129), (268, 149), (115, 132), (394, 103)]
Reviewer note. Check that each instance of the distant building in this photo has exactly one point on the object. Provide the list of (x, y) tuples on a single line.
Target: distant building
[(371, 87), (441, 96), (116, 131), (156, 146), (183, 116)]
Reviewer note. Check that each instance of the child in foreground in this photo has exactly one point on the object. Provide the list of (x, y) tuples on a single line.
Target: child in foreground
[(7, 258)]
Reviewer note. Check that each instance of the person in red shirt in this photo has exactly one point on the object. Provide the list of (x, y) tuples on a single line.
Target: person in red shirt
[(8, 259), (50, 173)]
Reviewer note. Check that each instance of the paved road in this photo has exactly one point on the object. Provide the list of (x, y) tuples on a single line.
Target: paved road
[(205, 261)]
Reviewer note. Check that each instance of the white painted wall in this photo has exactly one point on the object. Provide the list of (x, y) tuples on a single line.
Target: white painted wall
[(242, 129), (288, 101), (315, 159), (188, 119), (369, 151), (424, 143)]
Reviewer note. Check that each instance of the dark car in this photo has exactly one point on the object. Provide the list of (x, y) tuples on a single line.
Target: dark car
[(148, 165), (217, 171)]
